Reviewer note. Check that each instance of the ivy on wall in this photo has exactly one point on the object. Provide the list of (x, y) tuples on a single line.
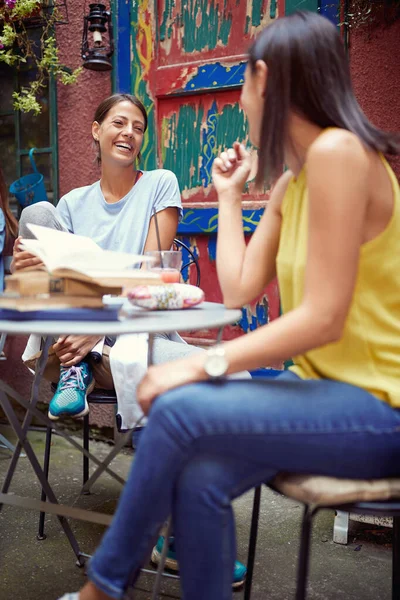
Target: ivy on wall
[(18, 49)]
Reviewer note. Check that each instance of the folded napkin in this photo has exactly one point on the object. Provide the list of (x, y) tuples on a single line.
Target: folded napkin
[(128, 362)]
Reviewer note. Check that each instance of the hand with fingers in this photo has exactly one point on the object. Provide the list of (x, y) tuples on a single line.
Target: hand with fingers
[(22, 259), (231, 169), (167, 376), (71, 349)]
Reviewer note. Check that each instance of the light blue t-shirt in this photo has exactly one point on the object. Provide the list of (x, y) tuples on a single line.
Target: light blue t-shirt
[(122, 226)]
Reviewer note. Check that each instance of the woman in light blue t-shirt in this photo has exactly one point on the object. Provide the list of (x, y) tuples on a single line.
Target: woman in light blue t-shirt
[(117, 213)]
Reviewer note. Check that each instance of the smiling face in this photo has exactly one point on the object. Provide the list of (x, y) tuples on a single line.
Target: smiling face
[(120, 134)]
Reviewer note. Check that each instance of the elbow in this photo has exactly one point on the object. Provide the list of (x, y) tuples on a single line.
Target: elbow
[(327, 322), (232, 304), (333, 334), (238, 298), (330, 327), (233, 301)]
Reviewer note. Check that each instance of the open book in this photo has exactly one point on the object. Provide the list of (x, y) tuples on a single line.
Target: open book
[(77, 257)]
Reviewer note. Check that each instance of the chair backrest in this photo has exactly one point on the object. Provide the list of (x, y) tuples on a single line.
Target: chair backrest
[(188, 258)]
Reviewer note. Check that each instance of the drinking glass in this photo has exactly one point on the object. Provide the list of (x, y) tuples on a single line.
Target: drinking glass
[(168, 264)]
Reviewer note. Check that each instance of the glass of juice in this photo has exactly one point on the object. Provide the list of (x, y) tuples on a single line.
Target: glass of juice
[(168, 264)]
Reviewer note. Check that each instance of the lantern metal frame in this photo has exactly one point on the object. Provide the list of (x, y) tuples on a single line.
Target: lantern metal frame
[(99, 20)]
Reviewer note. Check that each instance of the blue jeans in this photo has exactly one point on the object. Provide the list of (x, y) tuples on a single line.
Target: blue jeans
[(208, 443)]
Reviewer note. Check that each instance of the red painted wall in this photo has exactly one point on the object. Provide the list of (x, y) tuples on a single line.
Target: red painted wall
[(375, 65), (76, 106)]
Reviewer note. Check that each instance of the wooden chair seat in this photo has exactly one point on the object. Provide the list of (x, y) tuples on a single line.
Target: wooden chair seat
[(327, 491)]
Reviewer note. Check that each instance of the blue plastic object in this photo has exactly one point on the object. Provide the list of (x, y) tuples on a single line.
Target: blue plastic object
[(30, 188)]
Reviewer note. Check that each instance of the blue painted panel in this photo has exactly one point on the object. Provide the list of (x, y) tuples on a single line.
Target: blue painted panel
[(122, 59), (208, 147), (256, 320), (216, 75), (186, 258), (205, 221), (212, 248), (331, 10)]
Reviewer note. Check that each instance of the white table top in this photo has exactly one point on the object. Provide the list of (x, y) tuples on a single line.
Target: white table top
[(207, 315)]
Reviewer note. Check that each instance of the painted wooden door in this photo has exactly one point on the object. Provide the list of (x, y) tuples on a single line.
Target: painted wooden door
[(185, 59), (188, 62)]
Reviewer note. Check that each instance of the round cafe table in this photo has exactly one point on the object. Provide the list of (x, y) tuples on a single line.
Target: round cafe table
[(207, 315)]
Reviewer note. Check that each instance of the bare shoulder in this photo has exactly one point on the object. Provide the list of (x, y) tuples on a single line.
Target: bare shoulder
[(338, 147)]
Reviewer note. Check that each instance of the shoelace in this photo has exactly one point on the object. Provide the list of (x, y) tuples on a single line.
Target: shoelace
[(72, 378)]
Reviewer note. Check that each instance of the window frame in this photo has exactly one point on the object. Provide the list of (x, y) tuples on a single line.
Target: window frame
[(51, 150)]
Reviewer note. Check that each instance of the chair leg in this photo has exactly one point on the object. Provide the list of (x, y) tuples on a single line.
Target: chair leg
[(41, 535), (304, 554), (86, 447), (160, 569), (252, 543), (396, 559)]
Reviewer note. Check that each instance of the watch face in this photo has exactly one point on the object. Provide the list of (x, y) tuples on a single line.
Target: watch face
[(216, 364)]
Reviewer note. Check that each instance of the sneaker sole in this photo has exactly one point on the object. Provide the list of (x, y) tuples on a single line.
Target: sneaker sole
[(82, 413), (172, 565)]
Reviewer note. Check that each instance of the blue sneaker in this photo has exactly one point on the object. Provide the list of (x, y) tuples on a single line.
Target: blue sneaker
[(73, 387), (171, 563)]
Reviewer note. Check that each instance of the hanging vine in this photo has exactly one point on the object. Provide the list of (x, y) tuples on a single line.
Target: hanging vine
[(17, 47)]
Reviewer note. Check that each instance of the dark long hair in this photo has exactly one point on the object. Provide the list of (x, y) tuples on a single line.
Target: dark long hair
[(107, 104), (11, 221), (308, 73)]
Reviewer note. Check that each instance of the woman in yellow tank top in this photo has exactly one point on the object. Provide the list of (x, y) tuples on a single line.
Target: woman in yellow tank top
[(331, 234)]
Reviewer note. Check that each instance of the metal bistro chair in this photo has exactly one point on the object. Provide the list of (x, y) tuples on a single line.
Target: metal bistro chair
[(4, 442), (99, 396), (367, 497)]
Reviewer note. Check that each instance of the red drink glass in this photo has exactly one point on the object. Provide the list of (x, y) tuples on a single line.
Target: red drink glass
[(167, 264)]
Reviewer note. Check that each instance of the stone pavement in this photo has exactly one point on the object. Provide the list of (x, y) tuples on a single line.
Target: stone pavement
[(44, 570)]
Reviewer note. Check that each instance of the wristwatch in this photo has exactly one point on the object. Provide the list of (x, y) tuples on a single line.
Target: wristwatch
[(216, 363)]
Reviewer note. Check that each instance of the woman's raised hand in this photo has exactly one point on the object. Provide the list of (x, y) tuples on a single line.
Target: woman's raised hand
[(231, 169)]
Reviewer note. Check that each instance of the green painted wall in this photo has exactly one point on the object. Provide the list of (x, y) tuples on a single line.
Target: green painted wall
[(293, 5)]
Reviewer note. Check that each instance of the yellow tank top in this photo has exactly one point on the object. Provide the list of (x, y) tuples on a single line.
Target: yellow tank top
[(368, 354)]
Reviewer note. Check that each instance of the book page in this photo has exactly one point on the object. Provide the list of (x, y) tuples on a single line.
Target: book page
[(63, 250)]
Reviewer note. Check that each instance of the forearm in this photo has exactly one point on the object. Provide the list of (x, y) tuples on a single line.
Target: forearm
[(231, 246), (293, 334)]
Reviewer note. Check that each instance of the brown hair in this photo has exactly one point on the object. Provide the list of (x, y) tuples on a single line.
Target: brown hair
[(11, 221), (308, 73), (107, 104)]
